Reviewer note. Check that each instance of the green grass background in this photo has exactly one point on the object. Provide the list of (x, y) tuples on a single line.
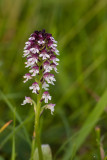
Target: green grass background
[(80, 92)]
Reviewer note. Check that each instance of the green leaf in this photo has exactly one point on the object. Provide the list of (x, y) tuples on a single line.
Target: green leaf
[(46, 150)]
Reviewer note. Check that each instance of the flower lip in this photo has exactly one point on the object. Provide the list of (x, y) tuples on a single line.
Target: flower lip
[(44, 54), (41, 42), (51, 107), (54, 59), (26, 53), (27, 76), (34, 70), (35, 87), (32, 38), (49, 78), (45, 86), (53, 40), (27, 100), (31, 60), (47, 66), (53, 65), (28, 43), (34, 50), (46, 96)]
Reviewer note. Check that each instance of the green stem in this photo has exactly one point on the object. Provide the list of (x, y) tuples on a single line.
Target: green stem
[(13, 140), (33, 146), (37, 116), (37, 109)]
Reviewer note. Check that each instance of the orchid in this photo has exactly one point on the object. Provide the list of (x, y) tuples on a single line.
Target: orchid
[(41, 53)]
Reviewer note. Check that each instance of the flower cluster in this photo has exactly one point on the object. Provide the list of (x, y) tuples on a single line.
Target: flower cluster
[(41, 58)]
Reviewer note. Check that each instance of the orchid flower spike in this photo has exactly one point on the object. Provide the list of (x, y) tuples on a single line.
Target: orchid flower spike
[(41, 53)]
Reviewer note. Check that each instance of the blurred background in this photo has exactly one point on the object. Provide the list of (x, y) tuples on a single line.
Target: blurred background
[(80, 27)]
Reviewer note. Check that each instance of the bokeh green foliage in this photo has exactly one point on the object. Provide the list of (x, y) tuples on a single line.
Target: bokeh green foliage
[(80, 27)]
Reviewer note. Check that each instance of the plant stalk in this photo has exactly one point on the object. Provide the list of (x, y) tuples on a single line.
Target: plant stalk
[(33, 146), (13, 140), (37, 109), (37, 117)]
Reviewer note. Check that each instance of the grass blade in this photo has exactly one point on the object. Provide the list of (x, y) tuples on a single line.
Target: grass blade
[(16, 115), (87, 127)]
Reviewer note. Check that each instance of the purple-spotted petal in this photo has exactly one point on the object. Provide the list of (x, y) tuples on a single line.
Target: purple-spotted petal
[(34, 70), (46, 96), (27, 76), (35, 87)]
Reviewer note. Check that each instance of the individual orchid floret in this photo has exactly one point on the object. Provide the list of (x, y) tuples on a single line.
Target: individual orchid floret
[(26, 53), (46, 96), (49, 78), (54, 59), (44, 55), (47, 66), (53, 40), (53, 46), (32, 38), (34, 70), (27, 76), (53, 66), (34, 50), (27, 100), (27, 43), (35, 87), (41, 42), (56, 51), (45, 86), (33, 59), (51, 107)]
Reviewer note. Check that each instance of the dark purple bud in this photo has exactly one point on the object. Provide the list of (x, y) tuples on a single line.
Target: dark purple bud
[(41, 67), (41, 79), (41, 100)]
